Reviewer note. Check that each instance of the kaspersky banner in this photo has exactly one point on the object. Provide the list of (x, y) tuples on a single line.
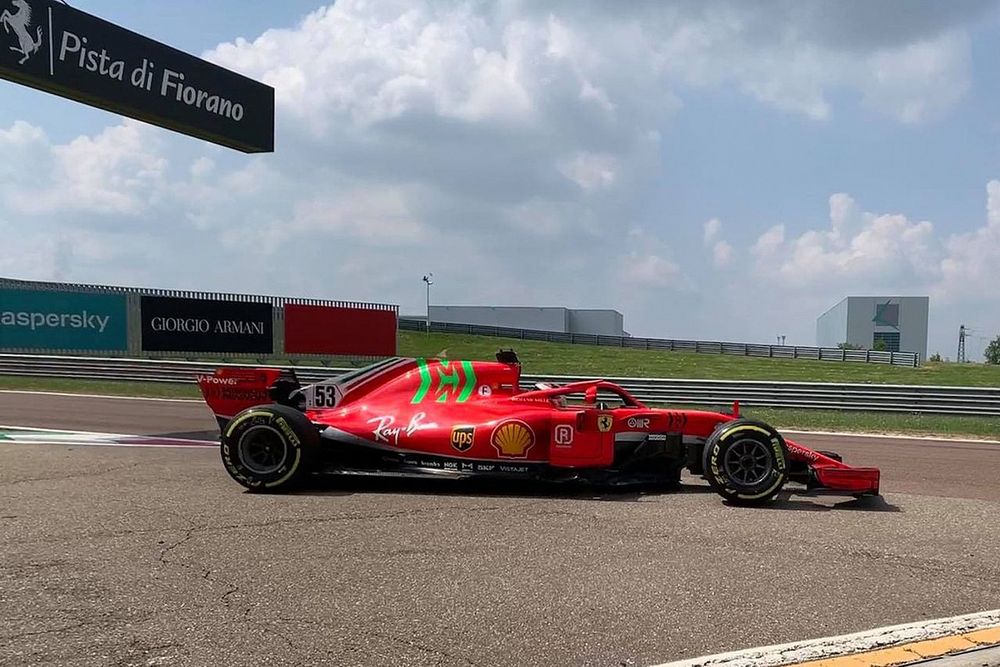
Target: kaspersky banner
[(59, 49), (62, 320)]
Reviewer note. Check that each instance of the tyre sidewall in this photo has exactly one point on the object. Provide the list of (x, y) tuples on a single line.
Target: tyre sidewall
[(728, 434), (278, 420)]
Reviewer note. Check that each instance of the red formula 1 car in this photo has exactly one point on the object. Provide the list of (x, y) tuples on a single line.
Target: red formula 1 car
[(434, 417)]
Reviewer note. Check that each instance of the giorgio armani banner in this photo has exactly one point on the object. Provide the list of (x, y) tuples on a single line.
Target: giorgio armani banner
[(53, 47), (201, 325)]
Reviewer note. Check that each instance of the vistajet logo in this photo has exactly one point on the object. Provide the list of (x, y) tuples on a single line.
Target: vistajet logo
[(35, 321)]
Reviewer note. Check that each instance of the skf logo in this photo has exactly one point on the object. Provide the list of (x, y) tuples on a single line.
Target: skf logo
[(562, 435), (462, 437), (604, 423), (20, 23), (513, 439)]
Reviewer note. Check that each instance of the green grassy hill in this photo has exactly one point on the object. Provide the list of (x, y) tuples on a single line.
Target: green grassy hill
[(565, 359)]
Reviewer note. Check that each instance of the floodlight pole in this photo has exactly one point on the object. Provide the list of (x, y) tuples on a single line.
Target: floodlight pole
[(429, 279)]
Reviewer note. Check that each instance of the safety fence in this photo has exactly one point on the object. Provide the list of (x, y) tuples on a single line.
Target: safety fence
[(813, 395), (70, 318), (668, 344)]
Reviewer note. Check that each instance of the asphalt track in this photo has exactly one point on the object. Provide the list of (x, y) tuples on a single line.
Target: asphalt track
[(112, 556)]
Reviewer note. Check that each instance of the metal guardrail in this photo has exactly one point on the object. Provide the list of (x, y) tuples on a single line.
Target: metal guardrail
[(813, 395), (133, 296), (673, 345), (276, 301)]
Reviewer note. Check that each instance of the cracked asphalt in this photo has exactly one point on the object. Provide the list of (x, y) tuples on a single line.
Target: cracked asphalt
[(118, 556)]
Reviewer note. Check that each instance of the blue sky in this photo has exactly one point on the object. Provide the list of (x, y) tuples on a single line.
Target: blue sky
[(717, 170)]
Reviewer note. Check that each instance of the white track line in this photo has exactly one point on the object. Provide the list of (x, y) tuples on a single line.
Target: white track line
[(134, 445), (54, 436), (829, 647), (101, 434)]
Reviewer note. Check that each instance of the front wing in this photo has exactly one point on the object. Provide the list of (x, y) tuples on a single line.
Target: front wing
[(826, 474)]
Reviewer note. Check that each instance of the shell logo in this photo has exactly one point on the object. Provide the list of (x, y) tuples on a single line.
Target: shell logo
[(512, 439)]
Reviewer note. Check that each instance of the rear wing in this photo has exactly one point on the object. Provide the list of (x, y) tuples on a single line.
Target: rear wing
[(232, 389)]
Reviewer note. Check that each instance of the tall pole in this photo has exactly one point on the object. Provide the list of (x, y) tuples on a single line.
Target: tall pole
[(429, 279), (960, 357)]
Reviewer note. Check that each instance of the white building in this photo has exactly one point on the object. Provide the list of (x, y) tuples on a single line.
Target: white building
[(602, 322), (900, 322)]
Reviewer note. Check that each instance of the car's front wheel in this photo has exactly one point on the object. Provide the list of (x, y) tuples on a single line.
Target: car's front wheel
[(269, 448), (746, 462)]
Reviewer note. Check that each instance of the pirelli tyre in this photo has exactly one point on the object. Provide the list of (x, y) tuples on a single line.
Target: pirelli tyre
[(746, 462), (269, 448)]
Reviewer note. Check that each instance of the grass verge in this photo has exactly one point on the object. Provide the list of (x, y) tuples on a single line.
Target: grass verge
[(594, 361), (949, 426), (566, 359), (953, 426)]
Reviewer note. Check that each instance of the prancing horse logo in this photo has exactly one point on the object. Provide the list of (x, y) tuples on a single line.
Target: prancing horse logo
[(20, 21)]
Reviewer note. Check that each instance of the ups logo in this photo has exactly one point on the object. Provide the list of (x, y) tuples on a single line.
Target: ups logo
[(462, 437)]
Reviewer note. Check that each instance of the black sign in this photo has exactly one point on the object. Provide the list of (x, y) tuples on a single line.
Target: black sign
[(56, 48), (201, 325)]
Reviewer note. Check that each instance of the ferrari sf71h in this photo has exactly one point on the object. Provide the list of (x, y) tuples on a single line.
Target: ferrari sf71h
[(441, 418)]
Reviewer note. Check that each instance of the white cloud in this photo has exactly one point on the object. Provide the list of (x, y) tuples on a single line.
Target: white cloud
[(722, 250), (112, 173), (858, 248), (591, 171), (372, 62), (770, 242), (652, 271), (794, 55), (21, 133), (712, 229), (506, 146), (376, 215), (971, 266), (722, 254), (920, 81)]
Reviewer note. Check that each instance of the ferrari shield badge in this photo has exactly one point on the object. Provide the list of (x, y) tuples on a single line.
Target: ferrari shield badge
[(604, 423)]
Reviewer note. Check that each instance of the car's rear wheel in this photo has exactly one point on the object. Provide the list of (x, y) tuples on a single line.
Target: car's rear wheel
[(269, 448), (746, 462)]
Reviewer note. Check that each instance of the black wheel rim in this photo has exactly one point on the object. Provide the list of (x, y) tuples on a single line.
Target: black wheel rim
[(263, 450), (748, 462)]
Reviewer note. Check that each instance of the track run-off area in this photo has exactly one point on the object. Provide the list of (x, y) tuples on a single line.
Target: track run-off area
[(148, 554)]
